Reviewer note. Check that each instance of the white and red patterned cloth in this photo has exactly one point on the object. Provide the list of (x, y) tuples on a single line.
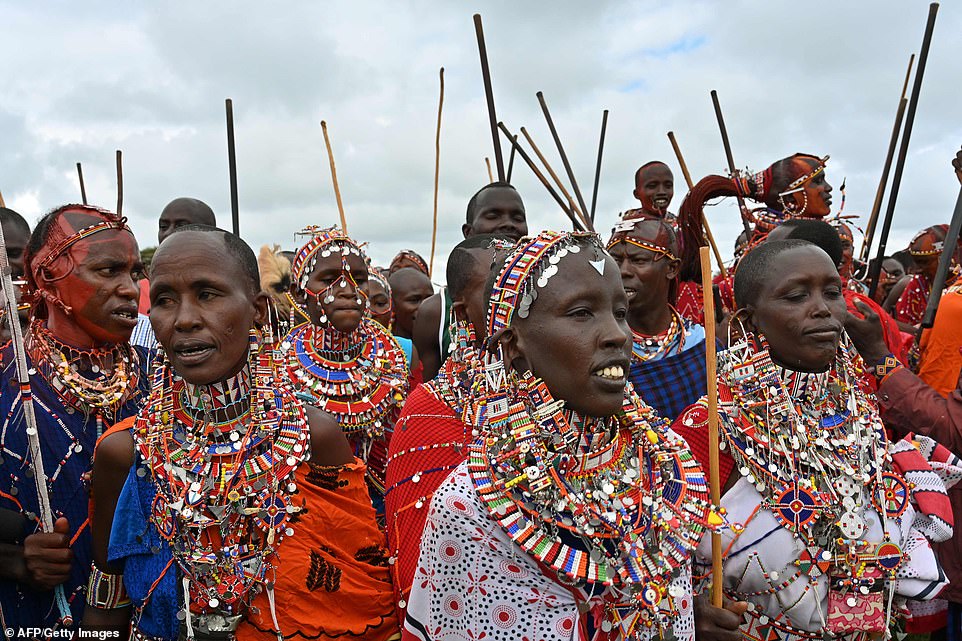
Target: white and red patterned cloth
[(474, 582)]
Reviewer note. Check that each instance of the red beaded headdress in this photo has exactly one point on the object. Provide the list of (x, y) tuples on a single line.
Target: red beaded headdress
[(306, 256)]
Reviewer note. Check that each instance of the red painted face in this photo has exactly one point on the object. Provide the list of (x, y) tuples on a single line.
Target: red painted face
[(814, 200), (101, 290)]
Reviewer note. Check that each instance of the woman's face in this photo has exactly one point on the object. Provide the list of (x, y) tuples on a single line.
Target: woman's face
[(816, 194), (335, 291), (800, 309), (576, 335), (380, 302)]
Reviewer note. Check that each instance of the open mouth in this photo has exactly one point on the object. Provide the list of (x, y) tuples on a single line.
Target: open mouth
[(194, 353), (631, 292), (126, 317), (611, 373)]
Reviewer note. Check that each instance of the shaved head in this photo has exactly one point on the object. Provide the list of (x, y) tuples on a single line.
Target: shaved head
[(181, 212)]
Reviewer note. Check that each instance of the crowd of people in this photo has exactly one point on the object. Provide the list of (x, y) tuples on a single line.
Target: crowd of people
[(303, 445)]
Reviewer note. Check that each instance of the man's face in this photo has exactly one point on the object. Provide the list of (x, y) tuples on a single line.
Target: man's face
[(201, 307), (171, 219), (817, 191), (800, 309), (409, 287), (576, 336), (646, 275), (16, 239), (499, 210), (102, 287), (344, 282), (655, 187)]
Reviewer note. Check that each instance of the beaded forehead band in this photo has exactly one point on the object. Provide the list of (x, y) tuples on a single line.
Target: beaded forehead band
[(46, 256), (799, 183), (324, 242), (533, 262), (937, 245), (619, 234)]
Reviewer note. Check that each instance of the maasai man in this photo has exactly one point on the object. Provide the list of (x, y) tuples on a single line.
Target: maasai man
[(408, 258), (342, 360), (668, 350), (654, 189), (559, 523), (380, 297), (409, 288), (824, 534), (431, 437), (82, 268), (925, 249), (892, 272), (495, 209), (227, 509), (793, 187), (16, 235), (846, 269)]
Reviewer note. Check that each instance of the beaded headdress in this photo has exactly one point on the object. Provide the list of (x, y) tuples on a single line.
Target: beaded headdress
[(414, 257), (927, 241), (324, 242), (621, 233), (532, 262)]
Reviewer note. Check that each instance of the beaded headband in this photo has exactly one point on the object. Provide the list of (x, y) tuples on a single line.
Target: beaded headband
[(321, 238), (514, 288), (799, 183), (937, 245), (412, 256), (620, 234), (47, 254), (377, 275)]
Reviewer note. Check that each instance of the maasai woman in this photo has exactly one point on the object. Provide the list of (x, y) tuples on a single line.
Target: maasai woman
[(231, 509), (793, 187), (343, 360), (824, 538), (378, 291), (576, 508), (925, 249), (82, 268), (667, 350)]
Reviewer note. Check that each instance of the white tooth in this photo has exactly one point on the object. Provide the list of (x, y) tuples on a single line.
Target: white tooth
[(608, 372)]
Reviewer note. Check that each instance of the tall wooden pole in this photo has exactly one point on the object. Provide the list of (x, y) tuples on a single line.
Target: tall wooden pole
[(554, 176), (120, 184), (708, 235), (514, 142), (337, 189), (232, 168), (564, 157), (731, 160), (83, 189), (601, 151), (437, 171), (880, 192), (875, 268), (2, 202), (945, 262), (487, 162), (711, 367), (489, 96)]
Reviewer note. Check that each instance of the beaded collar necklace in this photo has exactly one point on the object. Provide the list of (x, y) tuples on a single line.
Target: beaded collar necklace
[(645, 348), (635, 501), (92, 381), (452, 386), (224, 489)]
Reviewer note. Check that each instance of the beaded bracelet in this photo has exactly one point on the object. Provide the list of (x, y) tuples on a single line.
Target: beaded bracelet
[(106, 591), (886, 366)]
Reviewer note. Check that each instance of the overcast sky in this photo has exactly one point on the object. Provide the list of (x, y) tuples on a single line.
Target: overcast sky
[(82, 79)]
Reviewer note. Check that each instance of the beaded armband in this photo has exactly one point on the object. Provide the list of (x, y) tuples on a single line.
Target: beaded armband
[(886, 366), (106, 591)]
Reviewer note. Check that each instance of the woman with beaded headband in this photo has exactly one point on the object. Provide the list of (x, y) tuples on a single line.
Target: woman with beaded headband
[(575, 512), (828, 535), (342, 360), (82, 266), (926, 250), (378, 291), (228, 509), (668, 350)]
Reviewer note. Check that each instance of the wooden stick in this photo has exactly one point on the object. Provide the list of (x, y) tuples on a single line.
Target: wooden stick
[(487, 161), (120, 184), (601, 149), (489, 96), (437, 170), (875, 269), (731, 161), (945, 261), (232, 168), (514, 142), (711, 364), (708, 234), (880, 192), (544, 181), (551, 172), (2, 203), (337, 190), (83, 190), (564, 157)]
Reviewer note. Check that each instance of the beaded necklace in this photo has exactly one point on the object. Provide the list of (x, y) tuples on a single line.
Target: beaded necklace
[(222, 459), (92, 381), (453, 384), (634, 500), (645, 348)]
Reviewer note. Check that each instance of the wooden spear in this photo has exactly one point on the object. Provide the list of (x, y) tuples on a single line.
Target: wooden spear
[(714, 480), (544, 181), (564, 157), (875, 268), (83, 189), (708, 234), (731, 161), (880, 192), (120, 184), (489, 96), (487, 162), (511, 159), (337, 189), (2, 203), (437, 170), (232, 168), (551, 172), (601, 150)]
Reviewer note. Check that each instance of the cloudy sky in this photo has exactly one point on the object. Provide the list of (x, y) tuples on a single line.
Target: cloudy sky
[(81, 80)]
